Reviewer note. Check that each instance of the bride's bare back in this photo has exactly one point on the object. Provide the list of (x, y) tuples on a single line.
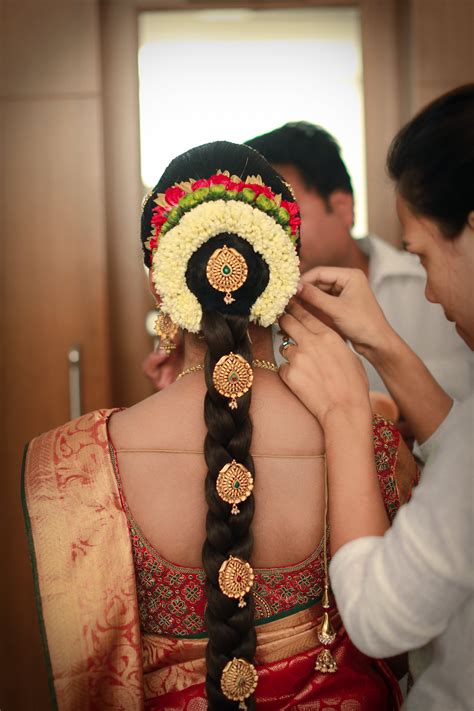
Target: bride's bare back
[(165, 489)]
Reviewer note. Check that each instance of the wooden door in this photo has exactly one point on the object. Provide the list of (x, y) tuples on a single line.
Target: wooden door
[(53, 277)]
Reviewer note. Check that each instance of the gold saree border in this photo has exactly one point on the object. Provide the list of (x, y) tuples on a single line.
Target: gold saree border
[(39, 607), (83, 568)]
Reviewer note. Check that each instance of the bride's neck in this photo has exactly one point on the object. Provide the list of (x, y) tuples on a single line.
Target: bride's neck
[(261, 344)]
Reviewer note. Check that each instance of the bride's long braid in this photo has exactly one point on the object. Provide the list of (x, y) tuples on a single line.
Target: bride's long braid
[(231, 628)]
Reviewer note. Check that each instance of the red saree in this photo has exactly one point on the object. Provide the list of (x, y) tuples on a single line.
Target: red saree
[(87, 599)]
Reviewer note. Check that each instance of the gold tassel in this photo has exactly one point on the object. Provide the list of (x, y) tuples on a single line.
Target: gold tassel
[(325, 662), (326, 634)]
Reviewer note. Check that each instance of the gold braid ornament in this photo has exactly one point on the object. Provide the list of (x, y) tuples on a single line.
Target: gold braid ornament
[(239, 680), (226, 271), (325, 662), (234, 484), (236, 578), (166, 330), (232, 377)]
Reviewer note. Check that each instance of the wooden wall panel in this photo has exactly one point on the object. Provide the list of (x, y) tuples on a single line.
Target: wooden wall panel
[(380, 50), (50, 47), (53, 274), (442, 47), (130, 298)]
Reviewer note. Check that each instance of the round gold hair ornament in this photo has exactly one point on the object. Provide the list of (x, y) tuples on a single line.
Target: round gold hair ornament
[(234, 484), (226, 271), (232, 377), (239, 680), (236, 578)]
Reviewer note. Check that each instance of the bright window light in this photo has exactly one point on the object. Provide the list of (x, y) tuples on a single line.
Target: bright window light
[(233, 74)]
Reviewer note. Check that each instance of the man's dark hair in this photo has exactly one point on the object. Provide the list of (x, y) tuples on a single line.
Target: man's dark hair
[(312, 150)]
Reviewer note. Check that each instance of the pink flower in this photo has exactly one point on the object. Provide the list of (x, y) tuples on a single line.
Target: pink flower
[(291, 207), (173, 195), (159, 216), (295, 223), (260, 190), (201, 183), (219, 180)]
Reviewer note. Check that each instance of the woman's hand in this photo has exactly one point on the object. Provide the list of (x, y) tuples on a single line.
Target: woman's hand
[(322, 371), (344, 295)]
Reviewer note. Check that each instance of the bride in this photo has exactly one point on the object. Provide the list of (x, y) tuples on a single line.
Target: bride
[(180, 547)]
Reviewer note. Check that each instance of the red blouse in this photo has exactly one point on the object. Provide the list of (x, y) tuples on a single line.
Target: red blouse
[(171, 598)]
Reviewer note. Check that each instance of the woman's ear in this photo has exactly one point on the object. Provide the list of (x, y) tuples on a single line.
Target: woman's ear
[(342, 204), (470, 219)]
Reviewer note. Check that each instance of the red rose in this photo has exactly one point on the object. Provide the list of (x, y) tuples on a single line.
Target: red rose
[(219, 180), (173, 195), (202, 183), (291, 207), (153, 243), (295, 223), (235, 186), (260, 190)]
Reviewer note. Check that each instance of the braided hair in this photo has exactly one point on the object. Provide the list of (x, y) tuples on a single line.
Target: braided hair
[(230, 627)]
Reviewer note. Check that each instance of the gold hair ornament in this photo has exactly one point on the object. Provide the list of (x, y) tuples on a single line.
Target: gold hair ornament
[(325, 662), (234, 484), (239, 680), (226, 271), (232, 377), (236, 578), (166, 331)]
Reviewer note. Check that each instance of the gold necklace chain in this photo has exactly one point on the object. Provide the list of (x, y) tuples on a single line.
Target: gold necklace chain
[(256, 363)]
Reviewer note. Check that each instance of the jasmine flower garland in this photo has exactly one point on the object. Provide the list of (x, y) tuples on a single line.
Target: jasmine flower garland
[(206, 220)]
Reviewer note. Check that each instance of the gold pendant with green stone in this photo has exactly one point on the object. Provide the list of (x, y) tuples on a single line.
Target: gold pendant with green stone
[(234, 484)]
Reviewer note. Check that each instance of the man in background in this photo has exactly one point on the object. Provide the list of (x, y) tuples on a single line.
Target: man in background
[(309, 159)]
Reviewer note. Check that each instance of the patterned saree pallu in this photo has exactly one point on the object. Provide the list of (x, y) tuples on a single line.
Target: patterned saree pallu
[(83, 569)]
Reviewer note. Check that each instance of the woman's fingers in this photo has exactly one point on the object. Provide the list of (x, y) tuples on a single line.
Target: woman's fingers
[(313, 295), (309, 321)]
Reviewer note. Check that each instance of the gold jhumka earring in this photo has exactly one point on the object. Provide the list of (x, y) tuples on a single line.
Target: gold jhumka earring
[(166, 331), (325, 662), (226, 271)]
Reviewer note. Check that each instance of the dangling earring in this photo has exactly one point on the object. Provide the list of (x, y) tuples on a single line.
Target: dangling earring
[(325, 662), (166, 331)]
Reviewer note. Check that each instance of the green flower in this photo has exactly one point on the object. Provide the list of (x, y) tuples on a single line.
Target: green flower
[(265, 204), (188, 202), (216, 191), (231, 195), (248, 195), (282, 216), (174, 215), (201, 194)]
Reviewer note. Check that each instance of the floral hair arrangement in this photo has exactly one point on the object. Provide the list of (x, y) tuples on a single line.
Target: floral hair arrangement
[(191, 212), (182, 197)]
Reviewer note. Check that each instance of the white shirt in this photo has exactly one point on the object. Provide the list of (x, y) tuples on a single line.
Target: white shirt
[(416, 583), (398, 282)]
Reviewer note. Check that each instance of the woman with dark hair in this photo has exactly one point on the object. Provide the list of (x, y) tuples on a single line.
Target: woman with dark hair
[(401, 588), (235, 498)]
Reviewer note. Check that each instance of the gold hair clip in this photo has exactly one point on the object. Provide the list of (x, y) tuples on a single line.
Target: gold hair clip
[(226, 271), (232, 377), (234, 484)]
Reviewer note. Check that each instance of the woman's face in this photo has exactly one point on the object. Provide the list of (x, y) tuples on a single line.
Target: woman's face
[(449, 265)]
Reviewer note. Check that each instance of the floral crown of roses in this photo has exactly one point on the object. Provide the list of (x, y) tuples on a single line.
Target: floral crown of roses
[(185, 196)]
